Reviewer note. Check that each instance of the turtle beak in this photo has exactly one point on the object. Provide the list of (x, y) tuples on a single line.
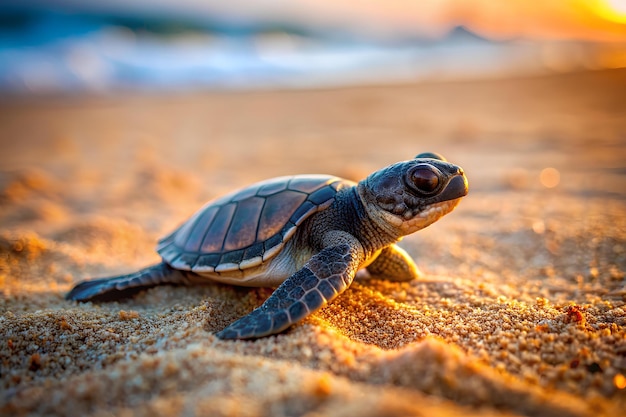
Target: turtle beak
[(457, 187)]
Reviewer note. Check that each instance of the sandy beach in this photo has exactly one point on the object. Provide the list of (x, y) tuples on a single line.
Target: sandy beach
[(521, 310)]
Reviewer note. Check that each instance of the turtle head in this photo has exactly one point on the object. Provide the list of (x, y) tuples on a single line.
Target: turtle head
[(410, 195)]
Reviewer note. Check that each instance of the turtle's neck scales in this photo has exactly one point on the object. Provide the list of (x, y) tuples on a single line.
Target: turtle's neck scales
[(348, 214)]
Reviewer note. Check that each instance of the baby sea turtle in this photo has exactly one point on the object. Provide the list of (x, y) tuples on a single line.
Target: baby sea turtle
[(308, 235)]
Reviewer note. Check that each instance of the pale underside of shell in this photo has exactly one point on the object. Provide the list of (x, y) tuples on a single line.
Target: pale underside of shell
[(248, 227)]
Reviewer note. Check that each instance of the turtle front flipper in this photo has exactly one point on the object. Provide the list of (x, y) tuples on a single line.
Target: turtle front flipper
[(394, 264), (115, 288), (322, 279)]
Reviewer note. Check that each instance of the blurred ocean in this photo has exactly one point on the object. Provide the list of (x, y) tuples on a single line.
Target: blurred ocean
[(46, 52)]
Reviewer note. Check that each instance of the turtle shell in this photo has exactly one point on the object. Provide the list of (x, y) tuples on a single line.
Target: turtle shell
[(247, 227)]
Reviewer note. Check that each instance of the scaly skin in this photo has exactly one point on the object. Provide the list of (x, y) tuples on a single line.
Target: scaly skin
[(113, 288), (394, 264)]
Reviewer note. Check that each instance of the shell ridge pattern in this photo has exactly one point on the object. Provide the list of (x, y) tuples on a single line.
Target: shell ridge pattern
[(214, 236), (208, 226), (230, 224), (186, 230), (240, 258), (258, 223)]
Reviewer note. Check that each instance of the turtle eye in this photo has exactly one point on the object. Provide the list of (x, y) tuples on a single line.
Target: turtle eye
[(424, 179)]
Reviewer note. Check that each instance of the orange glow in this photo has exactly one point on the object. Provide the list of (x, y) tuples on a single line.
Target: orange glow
[(550, 19), (594, 20), (549, 177), (613, 10)]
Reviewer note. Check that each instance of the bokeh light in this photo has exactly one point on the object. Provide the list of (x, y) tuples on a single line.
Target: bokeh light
[(550, 177)]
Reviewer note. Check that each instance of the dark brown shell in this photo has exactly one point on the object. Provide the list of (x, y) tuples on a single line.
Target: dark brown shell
[(247, 227)]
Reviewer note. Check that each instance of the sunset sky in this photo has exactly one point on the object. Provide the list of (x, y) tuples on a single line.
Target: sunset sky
[(598, 20)]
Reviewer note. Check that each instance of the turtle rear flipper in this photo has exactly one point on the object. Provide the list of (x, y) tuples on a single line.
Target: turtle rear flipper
[(123, 286), (394, 264)]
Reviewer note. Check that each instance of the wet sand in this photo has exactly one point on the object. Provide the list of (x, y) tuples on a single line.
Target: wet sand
[(521, 310)]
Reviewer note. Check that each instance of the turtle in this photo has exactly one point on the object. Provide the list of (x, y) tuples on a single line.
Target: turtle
[(305, 235)]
